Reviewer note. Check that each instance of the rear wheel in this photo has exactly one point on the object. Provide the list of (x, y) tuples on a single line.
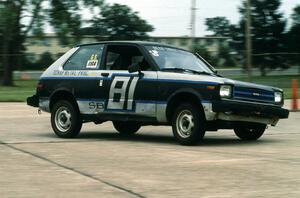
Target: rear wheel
[(250, 133), (126, 128), (188, 124), (65, 119)]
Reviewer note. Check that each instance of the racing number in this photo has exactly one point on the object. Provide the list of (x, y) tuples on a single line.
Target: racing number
[(121, 93)]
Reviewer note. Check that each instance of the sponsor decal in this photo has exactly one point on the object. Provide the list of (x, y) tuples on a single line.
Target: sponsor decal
[(92, 62), (69, 73), (96, 105), (121, 93), (154, 53)]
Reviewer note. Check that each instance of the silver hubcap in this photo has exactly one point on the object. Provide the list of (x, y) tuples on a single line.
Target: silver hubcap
[(63, 119), (185, 124)]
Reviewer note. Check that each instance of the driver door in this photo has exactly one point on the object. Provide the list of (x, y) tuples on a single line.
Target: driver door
[(129, 93)]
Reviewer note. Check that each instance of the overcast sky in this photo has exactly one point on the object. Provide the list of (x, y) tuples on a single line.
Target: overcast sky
[(172, 17)]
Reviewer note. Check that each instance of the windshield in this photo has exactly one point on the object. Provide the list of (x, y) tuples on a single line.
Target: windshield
[(171, 58)]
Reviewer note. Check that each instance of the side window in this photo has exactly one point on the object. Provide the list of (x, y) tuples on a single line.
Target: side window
[(85, 58), (111, 58), (137, 59), (120, 57)]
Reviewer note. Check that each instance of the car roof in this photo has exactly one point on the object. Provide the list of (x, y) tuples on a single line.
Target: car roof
[(130, 42)]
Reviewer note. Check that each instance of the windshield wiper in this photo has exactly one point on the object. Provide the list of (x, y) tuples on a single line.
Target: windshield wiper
[(186, 70)]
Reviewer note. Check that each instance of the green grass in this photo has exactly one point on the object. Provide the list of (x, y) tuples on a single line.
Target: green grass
[(283, 82), (19, 92), (24, 89)]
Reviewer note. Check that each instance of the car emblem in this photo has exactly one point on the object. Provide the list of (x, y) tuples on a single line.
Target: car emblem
[(256, 94)]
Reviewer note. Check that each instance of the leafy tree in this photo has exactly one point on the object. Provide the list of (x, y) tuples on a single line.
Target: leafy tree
[(44, 61), (118, 22), (220, 26), (225, 56), (268, 27), (222, 58), (293, 37), (62, 15), (203, 52)]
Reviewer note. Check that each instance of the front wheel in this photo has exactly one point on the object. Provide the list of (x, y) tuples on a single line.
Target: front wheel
[(188, 124), (126, 128), (65, 119), (250, 133)]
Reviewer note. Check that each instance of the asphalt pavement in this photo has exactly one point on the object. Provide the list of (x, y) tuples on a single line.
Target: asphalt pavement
[(100, 163)]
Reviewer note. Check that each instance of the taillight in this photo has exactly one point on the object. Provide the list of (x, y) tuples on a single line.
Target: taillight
[(40, 86)]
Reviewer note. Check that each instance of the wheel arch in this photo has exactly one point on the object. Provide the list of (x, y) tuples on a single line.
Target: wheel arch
[(182, 96), (62, 94)]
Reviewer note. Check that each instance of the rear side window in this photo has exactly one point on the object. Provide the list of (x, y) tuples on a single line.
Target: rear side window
[(120, 57), (85, 58)]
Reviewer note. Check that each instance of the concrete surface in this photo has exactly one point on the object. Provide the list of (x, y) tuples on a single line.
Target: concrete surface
[(100, 163)]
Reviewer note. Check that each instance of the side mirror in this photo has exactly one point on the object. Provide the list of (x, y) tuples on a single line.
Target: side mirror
[(135, 67)]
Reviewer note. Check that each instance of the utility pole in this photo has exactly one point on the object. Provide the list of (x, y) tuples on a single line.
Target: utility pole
[(193, 22), (248, 39), (193, 19)]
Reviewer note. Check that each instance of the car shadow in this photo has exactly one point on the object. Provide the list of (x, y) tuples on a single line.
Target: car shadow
[(140, 137), (209, 140)]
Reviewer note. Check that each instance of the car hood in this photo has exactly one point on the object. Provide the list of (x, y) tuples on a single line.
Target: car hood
[(238, 83), (215, 79)]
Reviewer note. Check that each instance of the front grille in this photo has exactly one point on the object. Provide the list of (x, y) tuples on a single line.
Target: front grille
[(252, 94)]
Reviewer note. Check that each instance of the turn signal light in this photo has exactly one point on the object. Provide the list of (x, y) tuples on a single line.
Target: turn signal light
[(40, 87)]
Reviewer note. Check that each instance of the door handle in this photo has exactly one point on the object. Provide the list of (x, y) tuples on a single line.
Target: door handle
[(105, 74)]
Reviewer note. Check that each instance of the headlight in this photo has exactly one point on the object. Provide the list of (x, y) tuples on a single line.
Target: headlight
[(278, 97), (225, 91)]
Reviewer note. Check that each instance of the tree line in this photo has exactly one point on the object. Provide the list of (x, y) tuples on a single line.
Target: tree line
[(22, 18), (275, 45)]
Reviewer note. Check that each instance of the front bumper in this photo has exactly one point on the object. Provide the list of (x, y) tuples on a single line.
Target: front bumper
[(33, 101), (249, 109)]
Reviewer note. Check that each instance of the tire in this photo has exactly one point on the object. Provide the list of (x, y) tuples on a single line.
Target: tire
[(126, 128), (66, 121), (188, 124), (250, 134)]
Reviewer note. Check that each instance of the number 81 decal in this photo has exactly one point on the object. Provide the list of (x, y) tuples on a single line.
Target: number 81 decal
[(121, 93)]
